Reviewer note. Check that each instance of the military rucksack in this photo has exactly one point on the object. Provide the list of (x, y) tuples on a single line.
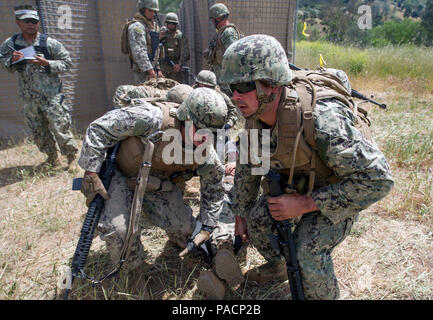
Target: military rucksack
[(216, 48), (131, 149), (124, 43), (296, 154)]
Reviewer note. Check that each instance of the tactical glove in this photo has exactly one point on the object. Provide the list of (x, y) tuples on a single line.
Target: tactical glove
[(92, 186)]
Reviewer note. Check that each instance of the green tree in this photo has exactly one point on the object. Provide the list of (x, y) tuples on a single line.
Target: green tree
[(166, 6), (427, 21)]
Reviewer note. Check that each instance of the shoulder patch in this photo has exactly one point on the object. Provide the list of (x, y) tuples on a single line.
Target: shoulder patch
[(138, 30)]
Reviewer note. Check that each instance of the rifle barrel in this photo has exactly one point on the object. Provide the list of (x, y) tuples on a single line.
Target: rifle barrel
[(354, 93)]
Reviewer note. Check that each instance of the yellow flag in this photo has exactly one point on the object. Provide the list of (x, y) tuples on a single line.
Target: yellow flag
[(305, 28), (322, 61)]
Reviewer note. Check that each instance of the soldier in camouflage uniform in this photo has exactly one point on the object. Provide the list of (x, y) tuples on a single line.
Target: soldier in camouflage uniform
[(175, 50), (140, 42), (207, 79), (126, 95), (163, 200), (40, 86), (359, 173), (227, 33)]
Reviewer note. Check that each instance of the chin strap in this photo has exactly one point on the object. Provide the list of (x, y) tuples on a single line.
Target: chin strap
[(264, 101)]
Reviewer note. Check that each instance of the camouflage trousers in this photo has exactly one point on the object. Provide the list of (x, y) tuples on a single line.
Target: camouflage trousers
[(165, 209), (315, 236), (50, 121)]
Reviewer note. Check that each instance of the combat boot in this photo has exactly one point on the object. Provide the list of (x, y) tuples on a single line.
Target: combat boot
[(226, 266), (267, 272), (212, 287)]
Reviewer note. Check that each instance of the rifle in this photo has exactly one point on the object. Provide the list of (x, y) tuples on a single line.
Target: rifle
[(91, 220), (354, 93), (187, 75), (286, 241)]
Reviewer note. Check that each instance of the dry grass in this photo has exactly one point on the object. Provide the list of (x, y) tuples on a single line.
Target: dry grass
[(388, 255)]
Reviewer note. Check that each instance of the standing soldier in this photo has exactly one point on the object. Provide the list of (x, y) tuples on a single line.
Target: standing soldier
[(320, 146), (40, 86), (227, 33), (175, 48), (140, 40)]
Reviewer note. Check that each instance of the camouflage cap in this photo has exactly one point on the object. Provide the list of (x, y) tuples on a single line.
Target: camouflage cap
[(205, 107), (26, 12), (218, 10), (179, 93), (172, 17), (254, 58), (148, 4), (207, 77)]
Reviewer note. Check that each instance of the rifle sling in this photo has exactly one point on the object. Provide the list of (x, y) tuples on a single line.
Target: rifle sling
[(137, 201)]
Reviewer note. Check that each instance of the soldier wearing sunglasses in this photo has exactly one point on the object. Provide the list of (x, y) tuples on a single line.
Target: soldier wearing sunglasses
[(330, 169), (45, 113)]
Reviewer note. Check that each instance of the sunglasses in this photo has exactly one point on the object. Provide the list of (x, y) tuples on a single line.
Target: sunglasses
[(244, 87), (32, 21)]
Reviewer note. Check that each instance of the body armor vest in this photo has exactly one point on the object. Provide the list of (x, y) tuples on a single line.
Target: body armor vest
[(131, 149), (172, 49), (295, 155), (217, 52)]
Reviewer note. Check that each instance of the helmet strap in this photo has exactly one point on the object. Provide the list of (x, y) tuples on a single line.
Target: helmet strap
[(263, 99)]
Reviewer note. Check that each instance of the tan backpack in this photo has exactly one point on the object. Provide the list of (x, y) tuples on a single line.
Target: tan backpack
[(124, 43), (296, 153)]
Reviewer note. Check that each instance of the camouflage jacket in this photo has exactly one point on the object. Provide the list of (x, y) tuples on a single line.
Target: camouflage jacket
[(143, 121), (140, 44), (363, 172), (33, 79), (232, 114), (220, 43), (175, 48)]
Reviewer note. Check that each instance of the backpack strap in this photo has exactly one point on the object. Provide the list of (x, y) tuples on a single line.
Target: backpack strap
[(308, 103), (43, 46)]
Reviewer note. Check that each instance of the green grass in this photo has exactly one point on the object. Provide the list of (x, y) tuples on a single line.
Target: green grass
[(402, 62)]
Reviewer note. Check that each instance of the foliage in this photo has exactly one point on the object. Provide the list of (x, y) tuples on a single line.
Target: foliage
[(338, 22), (396, 33), (398, 62), (166, 6)]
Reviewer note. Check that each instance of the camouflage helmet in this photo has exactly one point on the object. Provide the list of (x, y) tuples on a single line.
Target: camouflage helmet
[(179, 93), (172, 17), (205, 107), (148, 4), (254, 58), (218, 10), (207, 77)]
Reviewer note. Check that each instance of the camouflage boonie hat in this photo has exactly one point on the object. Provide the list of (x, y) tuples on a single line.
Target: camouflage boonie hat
[(148, 4), (205, 107), (179, 93), (172, 18), (207, 78), (254, 58), (218, 10), (26, 12)]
